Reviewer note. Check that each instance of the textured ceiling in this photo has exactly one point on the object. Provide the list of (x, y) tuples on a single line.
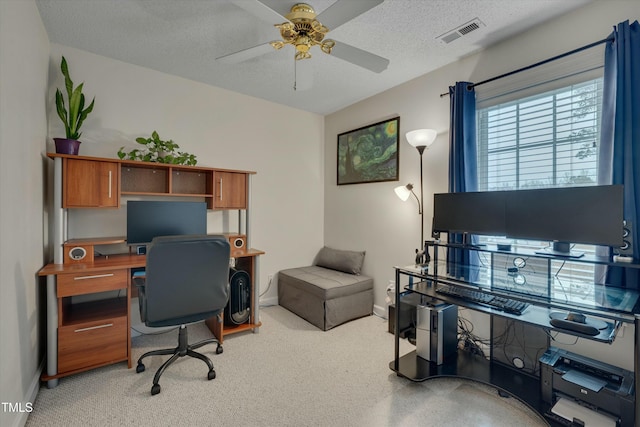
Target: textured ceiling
[(183, 38)]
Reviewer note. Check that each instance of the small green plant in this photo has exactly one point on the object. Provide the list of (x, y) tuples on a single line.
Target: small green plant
[(73, 118), (159, 151)]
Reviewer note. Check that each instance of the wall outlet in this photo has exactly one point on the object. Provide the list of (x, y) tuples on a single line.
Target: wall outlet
[(269, 278)]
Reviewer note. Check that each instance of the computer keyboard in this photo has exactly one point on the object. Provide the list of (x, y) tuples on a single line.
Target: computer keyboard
[(499, 303)]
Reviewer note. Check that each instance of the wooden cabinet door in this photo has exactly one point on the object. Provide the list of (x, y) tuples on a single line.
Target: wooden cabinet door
[(92, 344), (90, 184), (230, 190)]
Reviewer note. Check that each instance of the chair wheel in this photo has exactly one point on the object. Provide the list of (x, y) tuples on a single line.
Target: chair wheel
[(211, 375), (139, 368), (155, 389), (219, 349)]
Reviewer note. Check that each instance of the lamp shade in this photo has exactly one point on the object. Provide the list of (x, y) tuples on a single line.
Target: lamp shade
[(403, 191), (421, 137)]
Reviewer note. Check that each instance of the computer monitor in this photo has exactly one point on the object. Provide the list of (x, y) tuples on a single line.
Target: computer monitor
[(592, 215), (470, 212), (149, 219)]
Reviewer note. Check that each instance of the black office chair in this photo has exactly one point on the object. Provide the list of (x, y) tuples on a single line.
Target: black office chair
[(186, 281)]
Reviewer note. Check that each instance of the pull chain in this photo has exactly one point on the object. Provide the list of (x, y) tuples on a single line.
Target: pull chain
[(295, 74)]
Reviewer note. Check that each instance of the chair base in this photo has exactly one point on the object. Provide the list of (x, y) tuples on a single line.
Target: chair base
[(183, 349)]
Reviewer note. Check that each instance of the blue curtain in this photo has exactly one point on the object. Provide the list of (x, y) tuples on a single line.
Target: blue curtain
[(463, 170), (619, 156)]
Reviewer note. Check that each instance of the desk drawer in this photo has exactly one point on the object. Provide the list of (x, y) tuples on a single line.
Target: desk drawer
[(89, 283), (92, 344)]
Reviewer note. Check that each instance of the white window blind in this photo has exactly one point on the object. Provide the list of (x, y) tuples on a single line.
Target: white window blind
[(545, 140), (540, 129)]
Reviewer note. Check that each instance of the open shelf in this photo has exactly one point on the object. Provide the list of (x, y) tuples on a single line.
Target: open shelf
[(191, 182), (144, 179), (94, 311)]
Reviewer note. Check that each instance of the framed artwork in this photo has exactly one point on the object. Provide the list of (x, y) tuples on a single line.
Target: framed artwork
[(369, 153)]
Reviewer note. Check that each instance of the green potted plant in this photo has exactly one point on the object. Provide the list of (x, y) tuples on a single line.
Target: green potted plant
[(74, 116), (159, 151)]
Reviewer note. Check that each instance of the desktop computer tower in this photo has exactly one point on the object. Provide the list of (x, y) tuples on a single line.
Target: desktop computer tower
[(437, 331), (238, 309)]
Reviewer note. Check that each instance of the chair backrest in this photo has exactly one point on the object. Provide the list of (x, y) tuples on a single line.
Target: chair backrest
[(187, 279)]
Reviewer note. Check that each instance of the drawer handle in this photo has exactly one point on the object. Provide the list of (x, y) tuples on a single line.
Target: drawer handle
[(94, 327), (95, 276)]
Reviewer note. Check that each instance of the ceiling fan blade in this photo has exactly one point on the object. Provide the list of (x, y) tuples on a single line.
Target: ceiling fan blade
[(260, 10), (360, 57), (245, 54), (345, 10)]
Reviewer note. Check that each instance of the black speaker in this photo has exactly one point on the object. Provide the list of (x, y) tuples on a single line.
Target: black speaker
[(238, 309), (627, 238)]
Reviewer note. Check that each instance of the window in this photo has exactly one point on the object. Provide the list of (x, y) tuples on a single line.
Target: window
[(543, 140)]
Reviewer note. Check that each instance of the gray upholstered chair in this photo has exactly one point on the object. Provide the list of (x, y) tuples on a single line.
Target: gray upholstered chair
[(186, 281)]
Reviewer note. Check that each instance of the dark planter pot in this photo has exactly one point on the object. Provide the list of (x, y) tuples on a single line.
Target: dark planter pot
[(67, 146)]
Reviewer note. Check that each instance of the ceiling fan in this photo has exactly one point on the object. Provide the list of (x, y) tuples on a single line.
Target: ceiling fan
[(302, 29)]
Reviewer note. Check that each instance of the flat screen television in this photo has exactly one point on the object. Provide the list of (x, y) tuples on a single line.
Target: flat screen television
[(149, 219), (471, 212), (592, 215)]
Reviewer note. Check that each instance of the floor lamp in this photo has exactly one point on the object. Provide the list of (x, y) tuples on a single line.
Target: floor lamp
[(421, 139)]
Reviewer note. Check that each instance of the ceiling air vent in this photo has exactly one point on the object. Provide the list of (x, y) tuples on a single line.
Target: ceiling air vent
[(463, 30)]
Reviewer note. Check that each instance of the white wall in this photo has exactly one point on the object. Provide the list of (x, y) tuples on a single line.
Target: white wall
[(24, 48), (371, 217), (224, 129)]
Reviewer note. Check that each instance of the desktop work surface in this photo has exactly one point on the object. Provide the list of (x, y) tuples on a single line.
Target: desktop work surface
[(89, 306)]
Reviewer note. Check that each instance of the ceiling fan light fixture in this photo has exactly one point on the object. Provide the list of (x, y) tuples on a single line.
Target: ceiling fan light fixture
[(318, 27), (302, 55), (303, 29), (303, 44), (301, 11), (287, 32), (327, 45)]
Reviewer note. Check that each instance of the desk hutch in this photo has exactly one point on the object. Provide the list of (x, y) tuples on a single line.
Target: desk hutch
[(85, 335)]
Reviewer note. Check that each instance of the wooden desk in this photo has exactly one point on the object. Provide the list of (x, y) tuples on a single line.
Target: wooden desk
[(87, 335)]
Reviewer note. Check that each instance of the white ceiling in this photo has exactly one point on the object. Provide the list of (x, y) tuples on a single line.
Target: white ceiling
[(183, 38)]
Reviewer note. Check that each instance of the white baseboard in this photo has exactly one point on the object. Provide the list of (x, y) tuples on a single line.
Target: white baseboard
[(20, 418), (265, 302), (380, 311)]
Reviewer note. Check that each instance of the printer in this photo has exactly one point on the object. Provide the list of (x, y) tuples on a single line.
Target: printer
[(579, 391)]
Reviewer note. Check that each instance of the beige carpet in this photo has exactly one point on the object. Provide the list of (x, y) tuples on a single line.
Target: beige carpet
[(288, 374)]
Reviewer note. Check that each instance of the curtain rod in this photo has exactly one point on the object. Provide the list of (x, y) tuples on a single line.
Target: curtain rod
[(562, 55)]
